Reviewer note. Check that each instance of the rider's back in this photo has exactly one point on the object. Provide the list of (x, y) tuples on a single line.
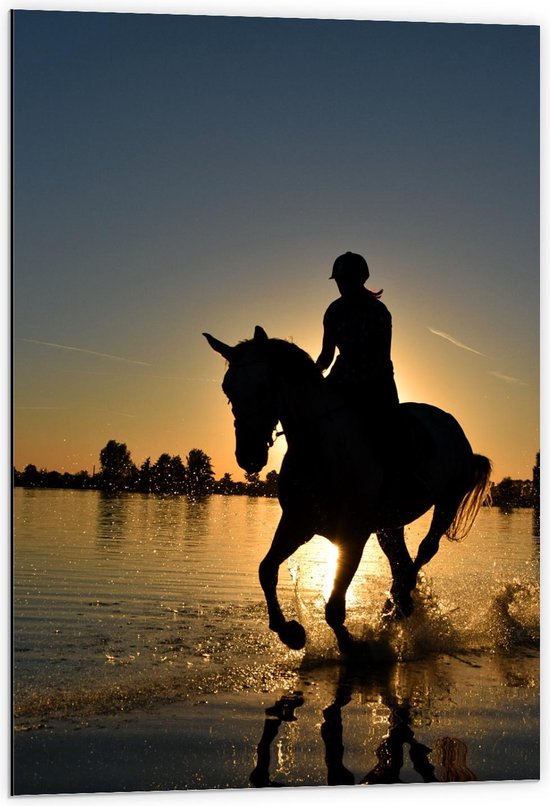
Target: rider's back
[(361, 328)]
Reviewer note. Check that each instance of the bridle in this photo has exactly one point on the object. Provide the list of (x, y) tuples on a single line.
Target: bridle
[(275, 433)]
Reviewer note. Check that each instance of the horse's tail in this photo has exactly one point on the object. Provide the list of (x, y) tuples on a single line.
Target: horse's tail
[(473, 500)]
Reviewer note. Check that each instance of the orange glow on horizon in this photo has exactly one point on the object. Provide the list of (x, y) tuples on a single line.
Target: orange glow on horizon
[(181, 406)]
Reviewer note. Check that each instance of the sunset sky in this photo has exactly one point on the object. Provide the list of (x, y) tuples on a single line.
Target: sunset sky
[(181, 174)]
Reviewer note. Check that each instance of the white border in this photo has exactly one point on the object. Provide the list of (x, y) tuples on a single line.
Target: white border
[(522, 12), (528, 12)]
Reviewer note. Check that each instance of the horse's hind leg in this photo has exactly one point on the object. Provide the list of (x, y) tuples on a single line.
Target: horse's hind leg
[(392, 543), (288, 537), (444, 514)]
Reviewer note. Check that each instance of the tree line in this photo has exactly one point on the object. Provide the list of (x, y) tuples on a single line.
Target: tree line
[(169, 475), (514, 494), (194, 477)]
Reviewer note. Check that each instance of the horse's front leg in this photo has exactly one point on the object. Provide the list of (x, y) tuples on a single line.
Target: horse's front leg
[(288, 537), (392, 543), (349, 558)]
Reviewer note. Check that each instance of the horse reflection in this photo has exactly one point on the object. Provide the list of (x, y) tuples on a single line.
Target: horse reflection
[(446, 762), (282, 711)]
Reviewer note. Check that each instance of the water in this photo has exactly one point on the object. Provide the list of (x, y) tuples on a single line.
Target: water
[(137, 602)]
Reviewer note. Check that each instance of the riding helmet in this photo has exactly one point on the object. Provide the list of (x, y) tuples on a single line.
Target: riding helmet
[(348, 265)]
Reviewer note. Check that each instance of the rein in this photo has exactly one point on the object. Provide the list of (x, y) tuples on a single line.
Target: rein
[(275, 437), (326, 414), (276, 434)]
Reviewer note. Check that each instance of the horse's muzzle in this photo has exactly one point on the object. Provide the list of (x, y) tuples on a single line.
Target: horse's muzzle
[(251, 463), (252, 467), (251, 452)]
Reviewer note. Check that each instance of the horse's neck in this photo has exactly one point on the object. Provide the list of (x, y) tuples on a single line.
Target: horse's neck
[(318, 421), (302, 408), (313, 413)]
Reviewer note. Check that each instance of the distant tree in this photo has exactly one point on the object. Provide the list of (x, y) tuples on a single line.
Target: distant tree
[(225, 486), (67, 480), (169, 475), (160, 473), (31, 476), (179, 475), (536, 481), (254, 485), (200, 474), (133, 478), (271, 484), (117, 468), (513, 493), (80, 480), (145, 477)]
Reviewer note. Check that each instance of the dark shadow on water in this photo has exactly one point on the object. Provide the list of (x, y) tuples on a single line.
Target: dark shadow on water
[(445, 762)]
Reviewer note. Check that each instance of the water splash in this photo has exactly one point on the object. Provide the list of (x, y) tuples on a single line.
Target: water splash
[(515, 616), (502, 618)]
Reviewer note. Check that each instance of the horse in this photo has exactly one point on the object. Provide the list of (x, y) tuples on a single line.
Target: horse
[(337, 480)]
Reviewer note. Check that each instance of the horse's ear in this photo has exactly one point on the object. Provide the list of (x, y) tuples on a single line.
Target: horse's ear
[(223, 349), (260, 334)]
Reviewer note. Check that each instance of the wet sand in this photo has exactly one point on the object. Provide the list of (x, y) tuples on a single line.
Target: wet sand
[(449, 718)]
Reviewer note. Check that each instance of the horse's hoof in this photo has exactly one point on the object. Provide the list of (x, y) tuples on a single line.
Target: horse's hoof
[(293, 635), (399, 608), (404, 608)]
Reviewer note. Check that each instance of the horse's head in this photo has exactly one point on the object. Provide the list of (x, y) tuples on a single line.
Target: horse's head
[(248, 383)]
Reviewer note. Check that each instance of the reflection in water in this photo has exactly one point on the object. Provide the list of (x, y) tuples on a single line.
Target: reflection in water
[(139, 598), (446, 762), (282, 711), (122, 606), (112, 515), (390, 752), (449, 756)]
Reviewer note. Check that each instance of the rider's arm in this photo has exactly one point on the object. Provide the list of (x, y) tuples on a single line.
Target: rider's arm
[(327, 351)]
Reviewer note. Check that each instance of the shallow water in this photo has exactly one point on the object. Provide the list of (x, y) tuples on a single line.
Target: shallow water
[(137, 602)]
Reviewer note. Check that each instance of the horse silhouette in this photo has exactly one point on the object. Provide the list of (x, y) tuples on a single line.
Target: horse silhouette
[(338, 480)]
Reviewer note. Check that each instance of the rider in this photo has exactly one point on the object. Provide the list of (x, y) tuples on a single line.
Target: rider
[(359, 325)]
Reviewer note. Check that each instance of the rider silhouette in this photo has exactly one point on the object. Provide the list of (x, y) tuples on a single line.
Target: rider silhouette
[(360, 326)]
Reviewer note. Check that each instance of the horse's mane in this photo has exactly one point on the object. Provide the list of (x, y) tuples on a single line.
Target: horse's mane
[(289, 359), (294, 361)]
